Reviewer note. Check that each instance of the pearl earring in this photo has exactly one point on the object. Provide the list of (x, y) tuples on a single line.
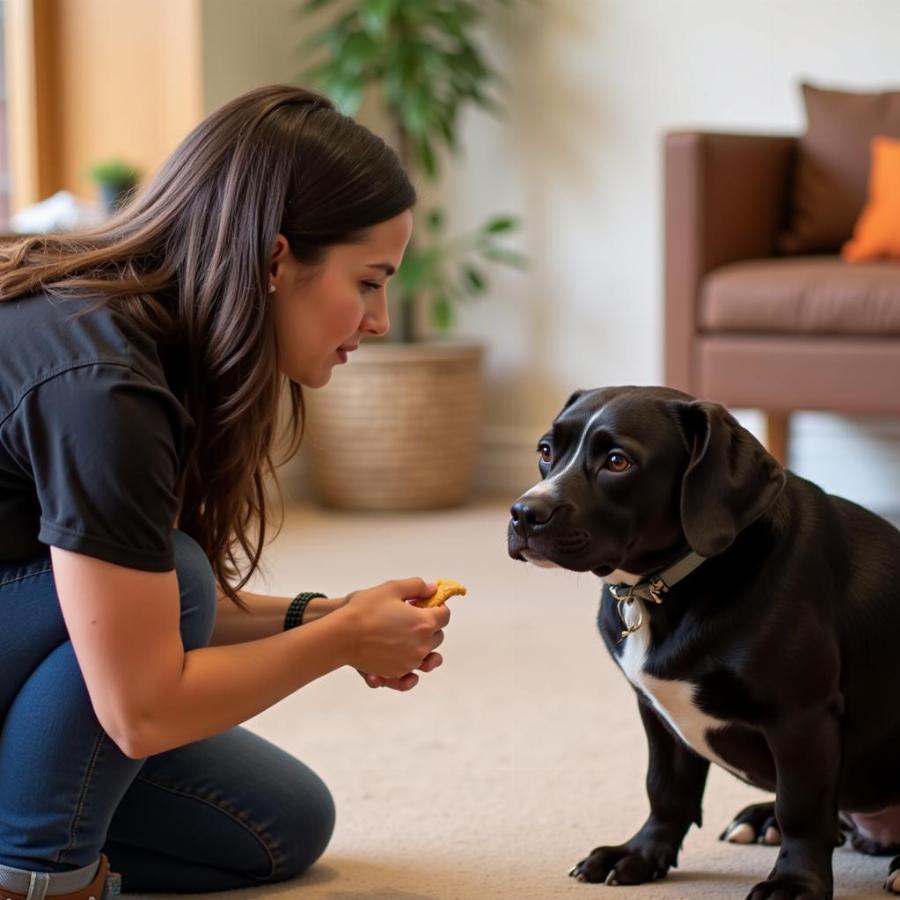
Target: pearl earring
[(271, 288)]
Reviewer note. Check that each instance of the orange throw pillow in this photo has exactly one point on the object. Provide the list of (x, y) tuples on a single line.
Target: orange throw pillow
[(877, 231)]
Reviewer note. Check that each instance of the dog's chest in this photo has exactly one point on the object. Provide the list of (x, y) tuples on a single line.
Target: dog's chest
[(673, 700)]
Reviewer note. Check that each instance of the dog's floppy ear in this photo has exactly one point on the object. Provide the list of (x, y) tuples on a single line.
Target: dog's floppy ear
[(578, 394), (730, 480)]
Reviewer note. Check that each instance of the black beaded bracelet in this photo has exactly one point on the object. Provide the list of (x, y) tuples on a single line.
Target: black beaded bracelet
[(294, 615)]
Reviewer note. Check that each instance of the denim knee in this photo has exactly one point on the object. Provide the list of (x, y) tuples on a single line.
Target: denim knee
[(304, 826), (197, 587)]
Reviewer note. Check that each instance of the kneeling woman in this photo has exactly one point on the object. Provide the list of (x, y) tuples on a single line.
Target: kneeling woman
[(140, 376)]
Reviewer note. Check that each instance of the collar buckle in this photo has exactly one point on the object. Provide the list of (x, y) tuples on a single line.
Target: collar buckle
[(653, 588), (622, 592), (658, 589)]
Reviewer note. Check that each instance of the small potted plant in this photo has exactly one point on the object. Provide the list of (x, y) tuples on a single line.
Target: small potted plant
[(416, 397), (116, 179)]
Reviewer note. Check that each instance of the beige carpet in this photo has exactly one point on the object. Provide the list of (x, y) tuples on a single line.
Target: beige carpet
[(505, 766)]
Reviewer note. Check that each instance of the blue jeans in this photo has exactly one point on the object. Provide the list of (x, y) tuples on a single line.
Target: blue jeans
[(228, 811)]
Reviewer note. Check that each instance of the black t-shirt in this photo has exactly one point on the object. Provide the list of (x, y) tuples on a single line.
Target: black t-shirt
[(91, 436)]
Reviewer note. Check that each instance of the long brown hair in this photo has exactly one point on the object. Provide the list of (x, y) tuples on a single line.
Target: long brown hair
[(188, 260)]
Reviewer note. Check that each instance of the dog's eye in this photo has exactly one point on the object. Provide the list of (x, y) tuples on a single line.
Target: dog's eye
[(617, 462), (546, 452)]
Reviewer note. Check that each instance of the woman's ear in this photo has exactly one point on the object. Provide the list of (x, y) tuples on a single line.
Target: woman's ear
[(280, 249)]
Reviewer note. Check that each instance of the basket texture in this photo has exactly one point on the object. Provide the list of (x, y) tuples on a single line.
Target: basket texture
[(397, 427)]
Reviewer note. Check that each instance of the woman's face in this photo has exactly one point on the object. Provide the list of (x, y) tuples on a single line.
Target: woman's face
[(321, 311)]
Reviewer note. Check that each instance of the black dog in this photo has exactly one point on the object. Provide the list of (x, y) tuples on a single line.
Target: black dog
[(756, 616)]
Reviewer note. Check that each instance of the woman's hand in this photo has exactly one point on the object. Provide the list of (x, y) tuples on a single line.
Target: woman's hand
[(405, 682), (391, 637)]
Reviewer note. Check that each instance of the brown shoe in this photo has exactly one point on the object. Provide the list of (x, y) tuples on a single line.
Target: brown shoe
[(105, 886)]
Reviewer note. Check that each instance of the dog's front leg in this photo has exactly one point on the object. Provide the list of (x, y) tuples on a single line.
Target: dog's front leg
[(676, 778), (806, 747)]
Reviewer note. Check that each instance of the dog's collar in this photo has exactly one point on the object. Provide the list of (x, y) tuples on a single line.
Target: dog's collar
[(652, 589)]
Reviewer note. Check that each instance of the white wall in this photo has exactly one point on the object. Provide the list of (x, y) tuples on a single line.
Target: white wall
[(593, 84), (249, 43)]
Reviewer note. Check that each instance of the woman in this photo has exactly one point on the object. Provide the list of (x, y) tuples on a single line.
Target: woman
[(140, 377)]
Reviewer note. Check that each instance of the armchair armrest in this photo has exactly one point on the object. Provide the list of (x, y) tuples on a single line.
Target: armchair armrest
[(726, 196)]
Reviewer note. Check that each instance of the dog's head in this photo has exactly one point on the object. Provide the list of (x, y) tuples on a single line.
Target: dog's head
[(633, 476)]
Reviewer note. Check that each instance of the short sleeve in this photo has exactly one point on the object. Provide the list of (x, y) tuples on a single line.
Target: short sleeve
[(103, 442)]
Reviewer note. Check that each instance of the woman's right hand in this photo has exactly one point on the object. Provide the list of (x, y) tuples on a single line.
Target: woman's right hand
[(389, 636)]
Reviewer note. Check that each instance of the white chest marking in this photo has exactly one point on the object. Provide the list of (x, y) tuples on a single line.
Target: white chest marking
[(673, 700)]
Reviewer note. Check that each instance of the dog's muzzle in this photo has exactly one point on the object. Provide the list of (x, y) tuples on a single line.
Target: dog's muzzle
[(530, 517), (539, 536)]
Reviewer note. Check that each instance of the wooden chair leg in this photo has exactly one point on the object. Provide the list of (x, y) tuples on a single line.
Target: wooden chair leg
[(777, 433)]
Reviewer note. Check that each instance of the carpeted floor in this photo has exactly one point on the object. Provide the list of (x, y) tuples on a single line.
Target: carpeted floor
[(505, 766)]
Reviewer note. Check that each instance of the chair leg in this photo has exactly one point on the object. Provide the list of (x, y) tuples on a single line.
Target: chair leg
[(777, 433)]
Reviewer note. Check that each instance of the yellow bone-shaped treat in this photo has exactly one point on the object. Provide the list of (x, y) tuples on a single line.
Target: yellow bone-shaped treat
[(445, 590)]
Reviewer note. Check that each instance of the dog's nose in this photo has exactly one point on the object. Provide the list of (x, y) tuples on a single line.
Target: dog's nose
[(529, 516)]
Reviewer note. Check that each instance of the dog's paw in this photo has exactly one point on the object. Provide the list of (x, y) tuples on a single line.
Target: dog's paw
[(863, 844), (622, 865), (756, 824), (753, 825), (892, 882), (784, 887)]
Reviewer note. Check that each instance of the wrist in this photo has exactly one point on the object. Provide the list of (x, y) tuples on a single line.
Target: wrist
[(346, 634), (296, 609), (331, 635), (319, 607)]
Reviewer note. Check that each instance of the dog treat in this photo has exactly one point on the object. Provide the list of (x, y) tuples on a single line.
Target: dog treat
[(445, 590)]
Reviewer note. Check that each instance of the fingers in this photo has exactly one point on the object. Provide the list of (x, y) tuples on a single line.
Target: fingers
[(431, 662), (441, 616), (413, 588), (404, 683)]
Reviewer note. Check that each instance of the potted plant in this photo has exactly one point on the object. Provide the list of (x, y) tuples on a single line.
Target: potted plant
[(413, 399), (116, 180)]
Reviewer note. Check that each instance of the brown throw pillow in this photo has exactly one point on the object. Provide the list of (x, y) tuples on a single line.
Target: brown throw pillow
[(831, 170)]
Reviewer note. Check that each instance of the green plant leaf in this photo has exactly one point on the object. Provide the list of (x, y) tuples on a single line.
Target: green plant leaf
[(502, 255), (346, 95), (115, 172), (474, 280), (357, 50), (375, 17), (416, 271), (435, 221), (500, 225), (427, 157), (442, 313)]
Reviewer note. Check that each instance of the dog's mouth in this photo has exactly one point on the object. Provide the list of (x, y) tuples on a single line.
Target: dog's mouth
[(566, 553), (537, 560)]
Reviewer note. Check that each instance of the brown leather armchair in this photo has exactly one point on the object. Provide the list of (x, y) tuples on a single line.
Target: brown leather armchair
[(752, 329)]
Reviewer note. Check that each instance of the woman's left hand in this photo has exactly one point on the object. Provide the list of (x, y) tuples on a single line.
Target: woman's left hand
[(405, 682)]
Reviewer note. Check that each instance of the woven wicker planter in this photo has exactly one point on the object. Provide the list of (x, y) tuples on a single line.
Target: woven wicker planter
[(396, 427)]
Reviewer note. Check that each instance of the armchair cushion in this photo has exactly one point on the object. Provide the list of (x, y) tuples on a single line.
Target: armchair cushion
[(807, 295), (832, 165)]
